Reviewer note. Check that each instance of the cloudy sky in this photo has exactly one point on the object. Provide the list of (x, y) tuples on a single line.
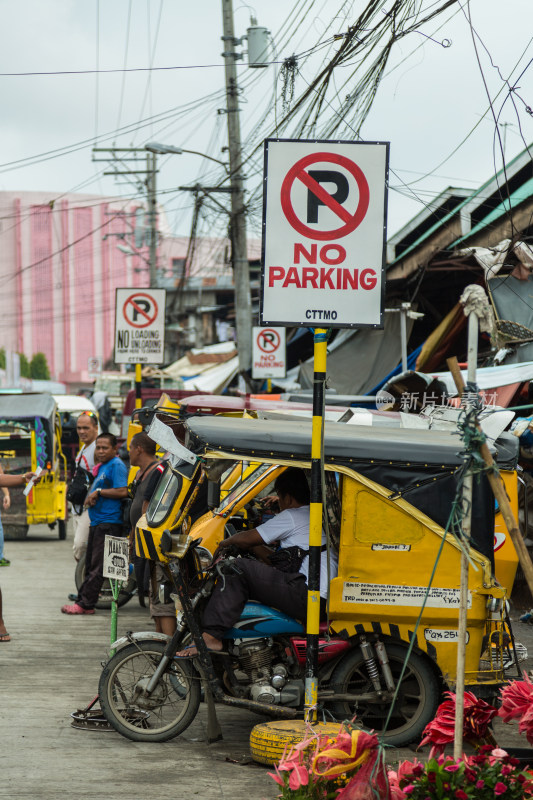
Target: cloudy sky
[(432, 104)]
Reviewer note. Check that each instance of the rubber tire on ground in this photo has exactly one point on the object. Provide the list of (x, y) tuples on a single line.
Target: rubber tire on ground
[(156, 649), (15, 532), (419, 674), (105, 599), (268, 740), (62, 529)]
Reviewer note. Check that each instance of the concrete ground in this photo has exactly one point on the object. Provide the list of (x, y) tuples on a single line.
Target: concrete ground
[(51, 668)]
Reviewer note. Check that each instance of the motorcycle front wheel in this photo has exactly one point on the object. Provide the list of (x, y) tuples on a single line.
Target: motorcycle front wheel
[(415, 706), (167, 712)]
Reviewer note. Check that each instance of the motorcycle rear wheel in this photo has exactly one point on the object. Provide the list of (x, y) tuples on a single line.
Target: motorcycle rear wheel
[(172, 706), (417, 701)]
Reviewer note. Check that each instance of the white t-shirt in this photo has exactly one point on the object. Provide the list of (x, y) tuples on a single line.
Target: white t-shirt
[(85, 457), (291, 528)]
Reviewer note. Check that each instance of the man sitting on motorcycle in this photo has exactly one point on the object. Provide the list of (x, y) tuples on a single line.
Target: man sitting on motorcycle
[(264, 582)]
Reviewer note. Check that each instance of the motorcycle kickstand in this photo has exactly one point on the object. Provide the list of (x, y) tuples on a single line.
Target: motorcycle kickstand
[(214, 731)]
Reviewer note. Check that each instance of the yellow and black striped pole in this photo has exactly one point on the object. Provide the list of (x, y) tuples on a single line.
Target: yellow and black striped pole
[(138, 380), (315, 524)]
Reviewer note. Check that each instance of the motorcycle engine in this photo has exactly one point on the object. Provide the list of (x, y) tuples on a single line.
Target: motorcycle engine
[(270, 682)]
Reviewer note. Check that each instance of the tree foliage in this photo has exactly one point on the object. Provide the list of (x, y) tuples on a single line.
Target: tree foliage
[(25, 371), (39, 367)]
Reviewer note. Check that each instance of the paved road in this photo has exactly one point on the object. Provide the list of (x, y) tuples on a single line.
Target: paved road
[(51, 668)]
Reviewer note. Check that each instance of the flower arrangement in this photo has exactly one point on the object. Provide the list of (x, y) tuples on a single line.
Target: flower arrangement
[(489, 774), (476, 720), (348, 767), (351, 765)]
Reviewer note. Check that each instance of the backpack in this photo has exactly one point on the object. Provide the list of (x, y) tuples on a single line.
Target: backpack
[(78, 488)]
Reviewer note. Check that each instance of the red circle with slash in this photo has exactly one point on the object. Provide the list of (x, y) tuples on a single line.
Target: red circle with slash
[(133, 308), (271, 342), (351, 221)]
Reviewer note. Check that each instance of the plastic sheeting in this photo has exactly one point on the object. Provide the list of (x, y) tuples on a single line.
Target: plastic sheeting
[(362, 359), (216, 378)]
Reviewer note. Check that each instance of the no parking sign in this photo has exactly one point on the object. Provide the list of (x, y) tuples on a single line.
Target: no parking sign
[(324, 233), (140, 326), (268, 353)]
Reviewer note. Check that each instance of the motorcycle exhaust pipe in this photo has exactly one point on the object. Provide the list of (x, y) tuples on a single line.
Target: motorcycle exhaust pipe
[(261, 708)]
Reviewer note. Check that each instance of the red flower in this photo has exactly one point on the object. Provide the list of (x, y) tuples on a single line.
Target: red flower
[(477, 716), (526, 723), (500, 788), (460, 795), (517, 698)]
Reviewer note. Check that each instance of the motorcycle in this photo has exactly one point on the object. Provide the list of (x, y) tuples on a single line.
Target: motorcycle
[(148, 694)]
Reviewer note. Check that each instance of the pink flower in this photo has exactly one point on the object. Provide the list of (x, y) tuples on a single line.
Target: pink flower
[(408, 789), (480, 784), (452, 767), (498, 752), (500, 788), (276, 777), (298, 777)]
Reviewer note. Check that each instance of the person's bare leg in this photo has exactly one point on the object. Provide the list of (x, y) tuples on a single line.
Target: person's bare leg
[(4, 635), (165, 625), (211, 643)]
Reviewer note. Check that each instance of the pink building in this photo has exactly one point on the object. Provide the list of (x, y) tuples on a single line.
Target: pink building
[(60, 264)]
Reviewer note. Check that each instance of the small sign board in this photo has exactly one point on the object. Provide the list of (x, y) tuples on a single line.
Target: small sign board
[(324, 213), (95, 365), (269, 359), (140, 326), (116, 558)]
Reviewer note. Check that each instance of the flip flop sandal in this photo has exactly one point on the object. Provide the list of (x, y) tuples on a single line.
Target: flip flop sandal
[(5, 637), (190, 656)]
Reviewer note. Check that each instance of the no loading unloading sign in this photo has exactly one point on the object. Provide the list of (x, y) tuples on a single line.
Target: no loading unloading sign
[(140, 326)]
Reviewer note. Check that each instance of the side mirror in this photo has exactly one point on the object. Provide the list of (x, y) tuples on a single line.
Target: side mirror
[(213, 494)]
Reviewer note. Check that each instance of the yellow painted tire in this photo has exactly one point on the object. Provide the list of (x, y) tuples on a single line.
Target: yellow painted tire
[(269, 740)]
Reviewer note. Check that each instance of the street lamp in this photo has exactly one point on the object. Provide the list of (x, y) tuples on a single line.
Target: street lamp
[(167, 149), (154, 149)]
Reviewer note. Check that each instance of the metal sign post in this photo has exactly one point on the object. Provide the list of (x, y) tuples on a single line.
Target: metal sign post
[(324, 212), (315, 524), (116, 569)]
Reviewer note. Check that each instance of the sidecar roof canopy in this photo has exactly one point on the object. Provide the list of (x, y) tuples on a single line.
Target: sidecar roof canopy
[(26, 406), (342, 443), (419, 465)]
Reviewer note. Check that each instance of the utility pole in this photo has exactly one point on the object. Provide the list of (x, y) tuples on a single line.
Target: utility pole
[(134, 154), (241, 272), (152, 214)]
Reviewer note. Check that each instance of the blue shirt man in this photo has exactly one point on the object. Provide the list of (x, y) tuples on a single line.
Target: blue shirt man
[(105, 514), (107, 508)]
